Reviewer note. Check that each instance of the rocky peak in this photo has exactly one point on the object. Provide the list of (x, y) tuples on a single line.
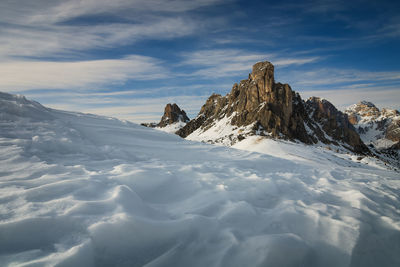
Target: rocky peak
[(257, 100), (380, 128), (389, 112), (366, 104), (263, 74), (173, 114), (365, 112), (363, 109), (261, 105), (322, 105), (334, 124), (322, 108), (264, 102)]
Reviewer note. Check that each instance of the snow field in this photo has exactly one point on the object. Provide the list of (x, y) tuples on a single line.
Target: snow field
[(83, 190)]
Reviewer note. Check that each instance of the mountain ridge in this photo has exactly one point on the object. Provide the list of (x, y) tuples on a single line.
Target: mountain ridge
[(375, 126), (268, 108)]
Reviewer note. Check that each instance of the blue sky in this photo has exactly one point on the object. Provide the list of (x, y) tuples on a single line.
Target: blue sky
[(128, 58)]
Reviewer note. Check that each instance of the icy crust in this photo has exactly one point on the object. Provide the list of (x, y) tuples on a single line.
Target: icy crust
[(84, 190)]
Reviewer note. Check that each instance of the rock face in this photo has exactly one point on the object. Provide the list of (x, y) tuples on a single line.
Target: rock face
[(173, 114), (149, 124), (380, 128), (260, 106), (334, 123)]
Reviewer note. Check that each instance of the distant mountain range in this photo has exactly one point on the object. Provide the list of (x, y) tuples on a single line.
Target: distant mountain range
[(380, 128), (259, 106)]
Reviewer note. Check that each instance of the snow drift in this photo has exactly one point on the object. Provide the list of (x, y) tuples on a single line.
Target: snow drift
[(85, 190)]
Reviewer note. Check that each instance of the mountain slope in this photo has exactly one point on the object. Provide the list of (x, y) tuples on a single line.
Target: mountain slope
[(260, 106), (85, 190)]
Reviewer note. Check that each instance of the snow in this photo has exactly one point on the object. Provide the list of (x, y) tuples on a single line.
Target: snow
[(221, 132), (85, 190), (383, 143), (172, 128), (356, 108), (372, 123)]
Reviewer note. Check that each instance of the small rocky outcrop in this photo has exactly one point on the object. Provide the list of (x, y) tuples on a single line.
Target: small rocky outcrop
[(149, 124), (276, 110), (173, 114)]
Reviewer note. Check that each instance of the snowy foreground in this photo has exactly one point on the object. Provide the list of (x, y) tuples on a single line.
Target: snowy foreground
[(84, 190)]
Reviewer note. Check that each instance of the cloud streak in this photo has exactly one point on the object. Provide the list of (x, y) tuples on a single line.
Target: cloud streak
[(26, 75), (45, 28), (64, 41), (216, 63), (133, 109), (334, 77)]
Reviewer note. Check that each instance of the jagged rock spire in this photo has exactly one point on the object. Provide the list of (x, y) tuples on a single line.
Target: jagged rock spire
[(173, 114)]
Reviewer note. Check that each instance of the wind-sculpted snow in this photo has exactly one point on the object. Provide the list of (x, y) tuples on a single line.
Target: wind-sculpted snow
[(83, 190)]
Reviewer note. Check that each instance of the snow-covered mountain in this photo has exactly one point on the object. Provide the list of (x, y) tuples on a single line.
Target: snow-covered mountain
[(258, 106), (84, 190), (381, 128)]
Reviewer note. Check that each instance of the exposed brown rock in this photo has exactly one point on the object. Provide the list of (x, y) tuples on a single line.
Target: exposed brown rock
[(149, 124), (276, 109), (172, 114), (369, 117), (367, 109), (272, 106), (335, 123), (393, 131), (353, 119)]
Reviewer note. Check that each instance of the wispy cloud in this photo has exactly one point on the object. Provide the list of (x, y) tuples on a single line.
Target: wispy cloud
[(59, 41), (227, 62), (344, 87), (137, 110), (47, 28), (44, 12), (57, 11), (26, 75), (323, 77)]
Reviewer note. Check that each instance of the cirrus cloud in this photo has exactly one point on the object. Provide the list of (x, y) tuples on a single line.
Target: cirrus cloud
[(26, 75)]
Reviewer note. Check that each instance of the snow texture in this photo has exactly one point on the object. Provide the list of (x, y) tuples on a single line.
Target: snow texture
[(222, 132), (173, 127), (85, 190)]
